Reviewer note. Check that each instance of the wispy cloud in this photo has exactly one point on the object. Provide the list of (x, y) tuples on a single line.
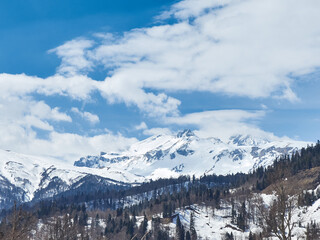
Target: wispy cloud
[(74, 59), (157, 131), (78, 87), (223, 123), (141, 126), (92, 118)]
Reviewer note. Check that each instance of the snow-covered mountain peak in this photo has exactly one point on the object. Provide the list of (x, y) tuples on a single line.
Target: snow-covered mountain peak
[(247, 140), (185, 133), (186, 153)]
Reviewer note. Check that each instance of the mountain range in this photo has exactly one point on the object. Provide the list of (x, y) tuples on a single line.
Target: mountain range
[(186, 153), (25, 178)]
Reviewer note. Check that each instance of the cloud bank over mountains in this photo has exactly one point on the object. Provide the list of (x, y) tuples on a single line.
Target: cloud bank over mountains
[(253, 49), (243, 48)]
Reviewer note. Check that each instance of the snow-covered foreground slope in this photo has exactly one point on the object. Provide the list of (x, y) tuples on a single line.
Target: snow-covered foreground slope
[(213, 223), (209, 223), (186, 153)]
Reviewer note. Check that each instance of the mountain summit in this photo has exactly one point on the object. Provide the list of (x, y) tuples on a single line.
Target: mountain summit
[(186, 153)]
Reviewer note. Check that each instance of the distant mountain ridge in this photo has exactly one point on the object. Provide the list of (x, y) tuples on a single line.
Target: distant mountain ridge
[(186, 153)]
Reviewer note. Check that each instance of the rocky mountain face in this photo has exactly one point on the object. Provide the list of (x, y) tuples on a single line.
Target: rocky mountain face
[(186, 153)]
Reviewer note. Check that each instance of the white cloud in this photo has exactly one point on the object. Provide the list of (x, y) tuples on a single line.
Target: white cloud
[(157, 131), (77, 87), (118, 89), (223, 123), (70, 147), (73, 56), (32, 121), (239, 48), (141, 126), (191, 8), (66, 146), (28, 113), (22, 115), (42, 110), (152, 131), (92, 118), (263, 106)]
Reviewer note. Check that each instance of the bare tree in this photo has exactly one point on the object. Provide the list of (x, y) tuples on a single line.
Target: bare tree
[(277, 218), (18, 225)]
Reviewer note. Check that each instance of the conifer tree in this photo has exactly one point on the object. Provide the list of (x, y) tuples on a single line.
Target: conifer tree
[(188, 237), (193, 232), (179, 229)]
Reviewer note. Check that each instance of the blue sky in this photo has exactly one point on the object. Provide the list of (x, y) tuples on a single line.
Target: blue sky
[(79, 77), (31, 27)]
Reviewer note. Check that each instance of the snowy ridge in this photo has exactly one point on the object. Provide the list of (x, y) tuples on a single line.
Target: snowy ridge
[(186, 153), (24, 177)]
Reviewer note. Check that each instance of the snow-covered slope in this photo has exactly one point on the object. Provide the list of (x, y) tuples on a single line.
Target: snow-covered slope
[(25, 178), (215, 223), (186, 153)]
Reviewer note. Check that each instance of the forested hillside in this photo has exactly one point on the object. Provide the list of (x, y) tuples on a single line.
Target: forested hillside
[(280, 201)]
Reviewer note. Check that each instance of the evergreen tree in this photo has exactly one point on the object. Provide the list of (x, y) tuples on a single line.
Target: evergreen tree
[(188, 237), (251, 236), (193, 232), (179, 229), (144, 225), (233, 212), (313, 231)]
